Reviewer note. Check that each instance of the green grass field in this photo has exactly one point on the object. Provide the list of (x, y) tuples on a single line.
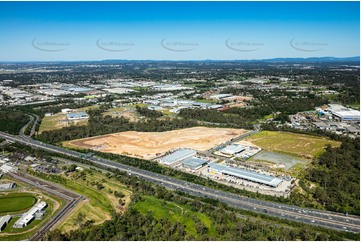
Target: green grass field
[(266, 117), (293, 144), (174, 212), (50, 123), (142, 105), (10, 233), (56, 122), (16, 202), (100, 204)]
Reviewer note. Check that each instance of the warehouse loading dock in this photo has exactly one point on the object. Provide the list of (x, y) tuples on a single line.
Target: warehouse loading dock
[(177, 156), (215, 168), (194, 163)]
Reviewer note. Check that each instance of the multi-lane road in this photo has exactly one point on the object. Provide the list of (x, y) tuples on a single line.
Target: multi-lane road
[(315, 217), (31, 120)]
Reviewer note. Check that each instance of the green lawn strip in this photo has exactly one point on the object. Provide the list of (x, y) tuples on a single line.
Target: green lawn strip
[(98, 216), (266, 117), (88, 209), (97, 199), (110, 183), (142, 105)]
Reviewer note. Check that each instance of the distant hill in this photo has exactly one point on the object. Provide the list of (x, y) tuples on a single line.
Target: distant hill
[(271, 60), (312, 59), (307, 60)]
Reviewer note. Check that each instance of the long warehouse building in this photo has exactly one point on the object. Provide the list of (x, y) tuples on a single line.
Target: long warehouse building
[(244, 174), (178, 155)]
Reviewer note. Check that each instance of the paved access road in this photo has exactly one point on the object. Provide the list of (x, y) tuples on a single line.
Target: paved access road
[(315, 217)]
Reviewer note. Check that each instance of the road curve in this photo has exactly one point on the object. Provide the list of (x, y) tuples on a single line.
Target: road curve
[(315, 217)]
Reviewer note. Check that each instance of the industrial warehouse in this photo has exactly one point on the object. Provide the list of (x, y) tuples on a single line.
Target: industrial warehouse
[(231, 150), (177, 156), (194, 163), (4, 220), (343, 113), (187, 159), (77, 116), (216, 168), (7, 186)]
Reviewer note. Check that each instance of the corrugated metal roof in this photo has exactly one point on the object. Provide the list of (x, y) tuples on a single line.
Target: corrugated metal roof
[(194, 162), (232, 149), (178, 155), (245, 174), (4, 220), (77, 115)]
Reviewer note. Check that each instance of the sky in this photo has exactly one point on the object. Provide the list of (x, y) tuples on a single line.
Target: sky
[(74, 31)]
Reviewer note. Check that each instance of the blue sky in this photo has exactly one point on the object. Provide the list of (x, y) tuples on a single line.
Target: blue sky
[(50, 31)]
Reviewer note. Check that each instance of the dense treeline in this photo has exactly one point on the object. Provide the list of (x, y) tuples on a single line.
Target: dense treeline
[(310, 131), (276, 102), (287, 103), (226, 225), (235, 117), (148, 113), (99, 124), (347, 83), (337, 174), (12, 121), (133, 225)]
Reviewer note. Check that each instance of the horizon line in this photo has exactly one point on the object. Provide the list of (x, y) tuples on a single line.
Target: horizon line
[(264, 59)]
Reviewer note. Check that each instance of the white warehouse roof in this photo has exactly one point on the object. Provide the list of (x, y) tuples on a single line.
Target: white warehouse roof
[(178, 155), (245, 174), (194, 162), (348, 115), (28, 216), (232, 149)]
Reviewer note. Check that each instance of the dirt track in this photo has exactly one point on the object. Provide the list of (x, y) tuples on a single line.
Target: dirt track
[(147, 145)]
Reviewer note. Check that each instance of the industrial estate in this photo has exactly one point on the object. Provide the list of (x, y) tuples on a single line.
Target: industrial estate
[(173, 150), (88, 139)]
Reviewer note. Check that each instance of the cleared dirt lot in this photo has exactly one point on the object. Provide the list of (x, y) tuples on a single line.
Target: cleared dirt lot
[(146, 145)]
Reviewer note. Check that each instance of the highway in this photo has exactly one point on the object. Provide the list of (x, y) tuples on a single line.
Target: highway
[(314, 217), (31, 120)]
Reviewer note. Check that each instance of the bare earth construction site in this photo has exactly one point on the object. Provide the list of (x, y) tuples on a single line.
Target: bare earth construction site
[(147, 145)]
